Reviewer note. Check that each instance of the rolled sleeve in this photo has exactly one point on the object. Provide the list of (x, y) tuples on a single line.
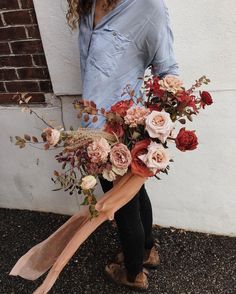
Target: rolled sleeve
[(164, 61)]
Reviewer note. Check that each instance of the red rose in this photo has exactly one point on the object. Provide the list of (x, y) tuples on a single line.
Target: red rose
[(121, 107), (156, 107), (186, 140), (114, 127), (206, 99), (138, 167)]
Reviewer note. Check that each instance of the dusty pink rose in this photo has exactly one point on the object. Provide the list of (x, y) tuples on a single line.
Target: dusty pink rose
[(52, 136), (171, 84), (157, 157), (136, 116), (120, 156), (98, 150), (159, 125)]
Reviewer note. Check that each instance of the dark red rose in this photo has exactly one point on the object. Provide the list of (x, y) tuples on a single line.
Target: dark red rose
[(114, 127), (121, 107), (138, 167), (206, 99), (186, 140), (156, 107)]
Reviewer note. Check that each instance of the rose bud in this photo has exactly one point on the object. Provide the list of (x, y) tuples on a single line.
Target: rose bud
[(206, 99)]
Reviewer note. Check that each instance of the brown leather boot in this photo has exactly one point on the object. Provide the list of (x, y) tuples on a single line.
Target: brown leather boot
[(151, 258), (118, 274)]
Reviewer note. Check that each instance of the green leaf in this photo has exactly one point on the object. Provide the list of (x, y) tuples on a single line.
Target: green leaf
[(18, 138), (85, 202)]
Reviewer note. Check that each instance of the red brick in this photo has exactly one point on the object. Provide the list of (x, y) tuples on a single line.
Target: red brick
[(27, 47), (33, 16), (4, 49), (7, 74), (1, 23), (22, 86), (2, 89), (11, 98), (45, 86), (27, 4), (12, 33), (40, 60), (9, 4), (16, 61), (33, 32), (19, 17), (33, 73)]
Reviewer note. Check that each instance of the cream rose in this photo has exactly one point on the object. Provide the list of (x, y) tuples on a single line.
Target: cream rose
[(52, 136), (171, 84), (159, 125), (88, 182), (98, 150), (157, 157), (109, 175), (118, 171)]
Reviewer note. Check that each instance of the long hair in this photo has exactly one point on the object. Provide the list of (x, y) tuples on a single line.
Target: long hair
[(80, 8)]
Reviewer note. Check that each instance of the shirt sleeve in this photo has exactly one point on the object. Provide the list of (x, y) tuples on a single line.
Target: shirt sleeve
[(164, 62)]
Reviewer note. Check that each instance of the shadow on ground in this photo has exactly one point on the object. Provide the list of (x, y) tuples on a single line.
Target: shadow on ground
[(190, 262)]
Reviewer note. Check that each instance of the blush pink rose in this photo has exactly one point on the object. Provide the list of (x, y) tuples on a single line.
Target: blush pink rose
[(157, 157), (159, 125), (52, 136), (171, 84), (136, 116), (98, 150), (120, 156)]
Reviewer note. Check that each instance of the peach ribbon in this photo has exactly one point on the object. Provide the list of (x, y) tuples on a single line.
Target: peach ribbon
[(57, 249)]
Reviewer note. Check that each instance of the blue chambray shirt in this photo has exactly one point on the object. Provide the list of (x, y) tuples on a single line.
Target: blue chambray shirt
[(130, 38)]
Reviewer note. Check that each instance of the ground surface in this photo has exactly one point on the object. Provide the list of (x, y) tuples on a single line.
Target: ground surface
[(191, 263)]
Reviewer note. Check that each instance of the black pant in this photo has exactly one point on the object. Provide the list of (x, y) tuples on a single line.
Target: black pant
[(134, 221)]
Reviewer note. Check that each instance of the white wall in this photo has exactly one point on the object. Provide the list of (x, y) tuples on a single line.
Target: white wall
[(199, 193), (60, 45)]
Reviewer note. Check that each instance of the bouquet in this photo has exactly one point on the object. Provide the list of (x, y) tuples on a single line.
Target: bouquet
[(135, 136), (132, 146)]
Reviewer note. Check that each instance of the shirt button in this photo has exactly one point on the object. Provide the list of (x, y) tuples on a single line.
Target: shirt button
[(114, 33), (92, 62)]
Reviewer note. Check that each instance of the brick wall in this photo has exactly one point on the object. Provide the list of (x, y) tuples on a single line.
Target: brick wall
[(23, 66)]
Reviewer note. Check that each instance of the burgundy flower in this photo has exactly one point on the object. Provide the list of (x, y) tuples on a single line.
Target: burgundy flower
[(186, 140), (206, 99)]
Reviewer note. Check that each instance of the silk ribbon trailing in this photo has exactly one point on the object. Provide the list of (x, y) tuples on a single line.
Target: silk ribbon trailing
[(55, 252)]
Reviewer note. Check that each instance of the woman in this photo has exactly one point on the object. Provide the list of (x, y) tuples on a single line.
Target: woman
[(119, 40)]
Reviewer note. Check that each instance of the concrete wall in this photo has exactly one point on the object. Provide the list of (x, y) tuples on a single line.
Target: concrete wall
[(199, 194)]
